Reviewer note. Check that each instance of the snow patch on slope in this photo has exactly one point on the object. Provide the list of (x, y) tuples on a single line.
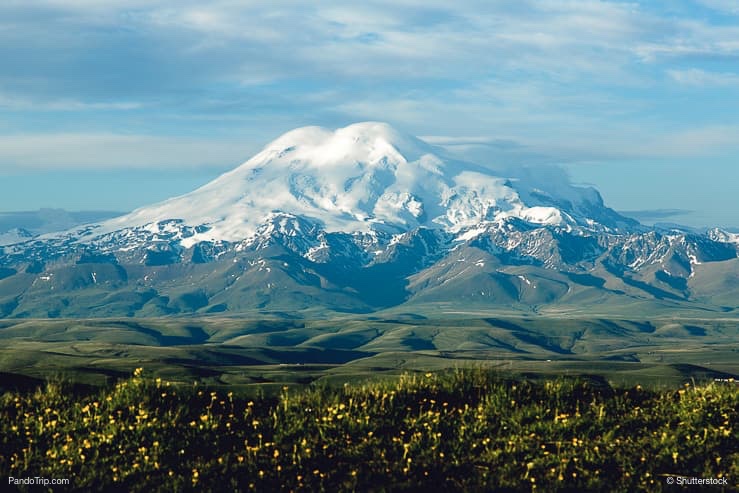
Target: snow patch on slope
[(15, 235), (717, 234)]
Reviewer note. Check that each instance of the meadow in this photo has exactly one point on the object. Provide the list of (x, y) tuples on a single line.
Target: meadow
[(453, 430)]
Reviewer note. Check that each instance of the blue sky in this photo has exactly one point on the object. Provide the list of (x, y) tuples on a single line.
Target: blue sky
[(112, 105)]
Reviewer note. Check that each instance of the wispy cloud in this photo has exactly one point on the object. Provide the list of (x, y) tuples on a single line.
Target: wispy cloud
[(691, 39), (723, 6), (701, 78), (656, 215), (699, 142), (501, 143), (106, 151), (232, 42), (569, 80), (20, 103)]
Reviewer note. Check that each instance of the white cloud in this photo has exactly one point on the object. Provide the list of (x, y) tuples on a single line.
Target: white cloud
[(686, 38), (26, 104), (596, 146), (445, 140), (260, 43), (724, 6), (558, 76), (698, 142), (402, 40), (701, 78), (104, 151)]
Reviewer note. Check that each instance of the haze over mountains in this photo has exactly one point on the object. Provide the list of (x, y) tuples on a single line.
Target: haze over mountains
[(23, 225), (361, 219)]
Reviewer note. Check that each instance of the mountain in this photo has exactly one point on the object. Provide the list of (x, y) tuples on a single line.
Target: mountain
[(363, 178), (19, 226), (361, 219)]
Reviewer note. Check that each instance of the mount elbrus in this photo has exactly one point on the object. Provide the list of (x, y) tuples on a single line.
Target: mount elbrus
[(363, 219)]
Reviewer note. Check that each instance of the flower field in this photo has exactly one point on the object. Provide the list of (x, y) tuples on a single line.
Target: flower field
[(464, 430)]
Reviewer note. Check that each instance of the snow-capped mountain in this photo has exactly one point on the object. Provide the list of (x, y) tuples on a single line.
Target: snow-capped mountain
[(362, 178), (356, 219)]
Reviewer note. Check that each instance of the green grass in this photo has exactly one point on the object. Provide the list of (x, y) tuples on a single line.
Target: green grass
[(461, 430)]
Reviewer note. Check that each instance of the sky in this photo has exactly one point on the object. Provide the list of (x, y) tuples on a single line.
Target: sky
[(117, 104)]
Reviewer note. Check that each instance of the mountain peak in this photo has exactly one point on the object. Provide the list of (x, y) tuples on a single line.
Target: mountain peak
[(364, 141), (358, 133), (362, 130)]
